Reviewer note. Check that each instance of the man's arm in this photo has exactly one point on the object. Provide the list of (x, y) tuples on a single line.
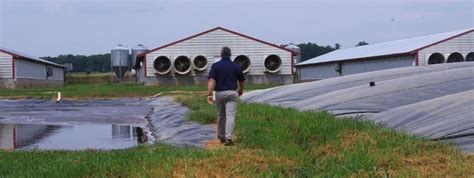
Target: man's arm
[(241, 87), (241, 78), (211, 83)]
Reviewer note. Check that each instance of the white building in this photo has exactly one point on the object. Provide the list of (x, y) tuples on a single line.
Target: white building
[(18, 70), (455, 46), (188, 61)]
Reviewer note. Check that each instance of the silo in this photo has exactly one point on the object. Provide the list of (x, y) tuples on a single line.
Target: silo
[(140, 48), (296, 59), (119, 58), (296, 50)]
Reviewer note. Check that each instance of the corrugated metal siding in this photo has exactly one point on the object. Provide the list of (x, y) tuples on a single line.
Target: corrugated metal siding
[(354, 67), (58, 74), (328, 70), (317, 72), (382, 49), (462, 44), (6, 65), (209, 45), (30, 70)]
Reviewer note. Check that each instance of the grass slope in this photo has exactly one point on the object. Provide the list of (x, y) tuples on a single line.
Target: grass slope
[(319, 144)]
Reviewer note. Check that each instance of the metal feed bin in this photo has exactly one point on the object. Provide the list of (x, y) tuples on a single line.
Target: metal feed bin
[(137, 65), (120, 61), (296, 50), (140, 48), (296, 59)]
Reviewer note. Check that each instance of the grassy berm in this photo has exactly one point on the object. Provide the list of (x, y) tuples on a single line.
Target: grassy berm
[(270, 142)]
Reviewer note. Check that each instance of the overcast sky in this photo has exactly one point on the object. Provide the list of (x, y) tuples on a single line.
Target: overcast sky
[(53, 27)]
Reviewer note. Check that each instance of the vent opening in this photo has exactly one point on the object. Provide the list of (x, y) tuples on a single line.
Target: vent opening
[(244, 62), (162, 65), (200, 63), (455, 57), (182, 65), (272, 63), (436, 58)]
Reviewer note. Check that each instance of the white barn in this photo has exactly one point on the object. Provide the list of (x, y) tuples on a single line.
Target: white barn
[(188, 61), (19, 70), (455, 46)]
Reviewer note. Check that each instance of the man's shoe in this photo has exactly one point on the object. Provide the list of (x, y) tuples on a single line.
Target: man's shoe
[(228, 142), (222, 139)]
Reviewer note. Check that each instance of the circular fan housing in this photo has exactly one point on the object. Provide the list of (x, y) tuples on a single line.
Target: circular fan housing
[(162, 65), (182, 65), (272, 63), (200, 63), (244, 63)]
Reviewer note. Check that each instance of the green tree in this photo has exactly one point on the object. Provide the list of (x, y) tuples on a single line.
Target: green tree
[(361, 43), (82, 63), (310, 50)]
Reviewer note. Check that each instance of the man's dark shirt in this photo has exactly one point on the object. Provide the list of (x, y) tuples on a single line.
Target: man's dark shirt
[(226, 73)]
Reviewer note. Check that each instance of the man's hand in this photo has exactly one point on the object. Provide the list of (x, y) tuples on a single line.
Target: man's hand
[(211, 83), (241, 87), (210, 100)]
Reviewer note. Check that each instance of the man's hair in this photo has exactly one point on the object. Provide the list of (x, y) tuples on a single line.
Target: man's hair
[(225, 52)]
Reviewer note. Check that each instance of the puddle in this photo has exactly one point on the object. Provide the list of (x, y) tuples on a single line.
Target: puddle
[(98, 124), (70, 137)]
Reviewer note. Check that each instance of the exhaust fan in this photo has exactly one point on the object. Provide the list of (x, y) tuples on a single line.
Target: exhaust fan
[(182, 65), (244, 63), (200, 63), (162, 65), (272, 63)]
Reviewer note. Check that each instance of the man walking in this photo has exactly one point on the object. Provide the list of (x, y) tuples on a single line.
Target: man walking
[(223, 79)]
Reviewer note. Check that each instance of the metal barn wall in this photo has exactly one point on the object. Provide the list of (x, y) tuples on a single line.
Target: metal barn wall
[(32, 70), (328, 70), (141, 74), (6, 66), (354, 67), (58, 74), (462, 44), (31, 74), (210, 44), (317, 72)]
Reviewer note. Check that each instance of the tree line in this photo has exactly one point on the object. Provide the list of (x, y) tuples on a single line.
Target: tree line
[(101, 62), (82, 63)]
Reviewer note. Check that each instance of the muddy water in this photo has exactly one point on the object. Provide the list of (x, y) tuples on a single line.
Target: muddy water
[(70, 137)]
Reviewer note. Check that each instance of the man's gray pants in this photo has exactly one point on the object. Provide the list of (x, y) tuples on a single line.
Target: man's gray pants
[(226, 103)]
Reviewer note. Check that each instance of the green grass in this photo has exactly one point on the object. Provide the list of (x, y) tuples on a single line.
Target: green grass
[(141, 161), (322, 145), (271, 142), (102, 91)]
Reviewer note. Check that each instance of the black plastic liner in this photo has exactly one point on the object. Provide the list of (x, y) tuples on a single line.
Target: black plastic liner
[(434, 101)]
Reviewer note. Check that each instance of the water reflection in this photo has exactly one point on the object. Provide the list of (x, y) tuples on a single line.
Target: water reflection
[(70, 137)]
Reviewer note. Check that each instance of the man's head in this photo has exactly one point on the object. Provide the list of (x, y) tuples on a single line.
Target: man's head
[(225, 52)]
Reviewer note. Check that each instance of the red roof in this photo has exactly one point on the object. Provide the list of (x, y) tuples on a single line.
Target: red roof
[(211, 30)]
